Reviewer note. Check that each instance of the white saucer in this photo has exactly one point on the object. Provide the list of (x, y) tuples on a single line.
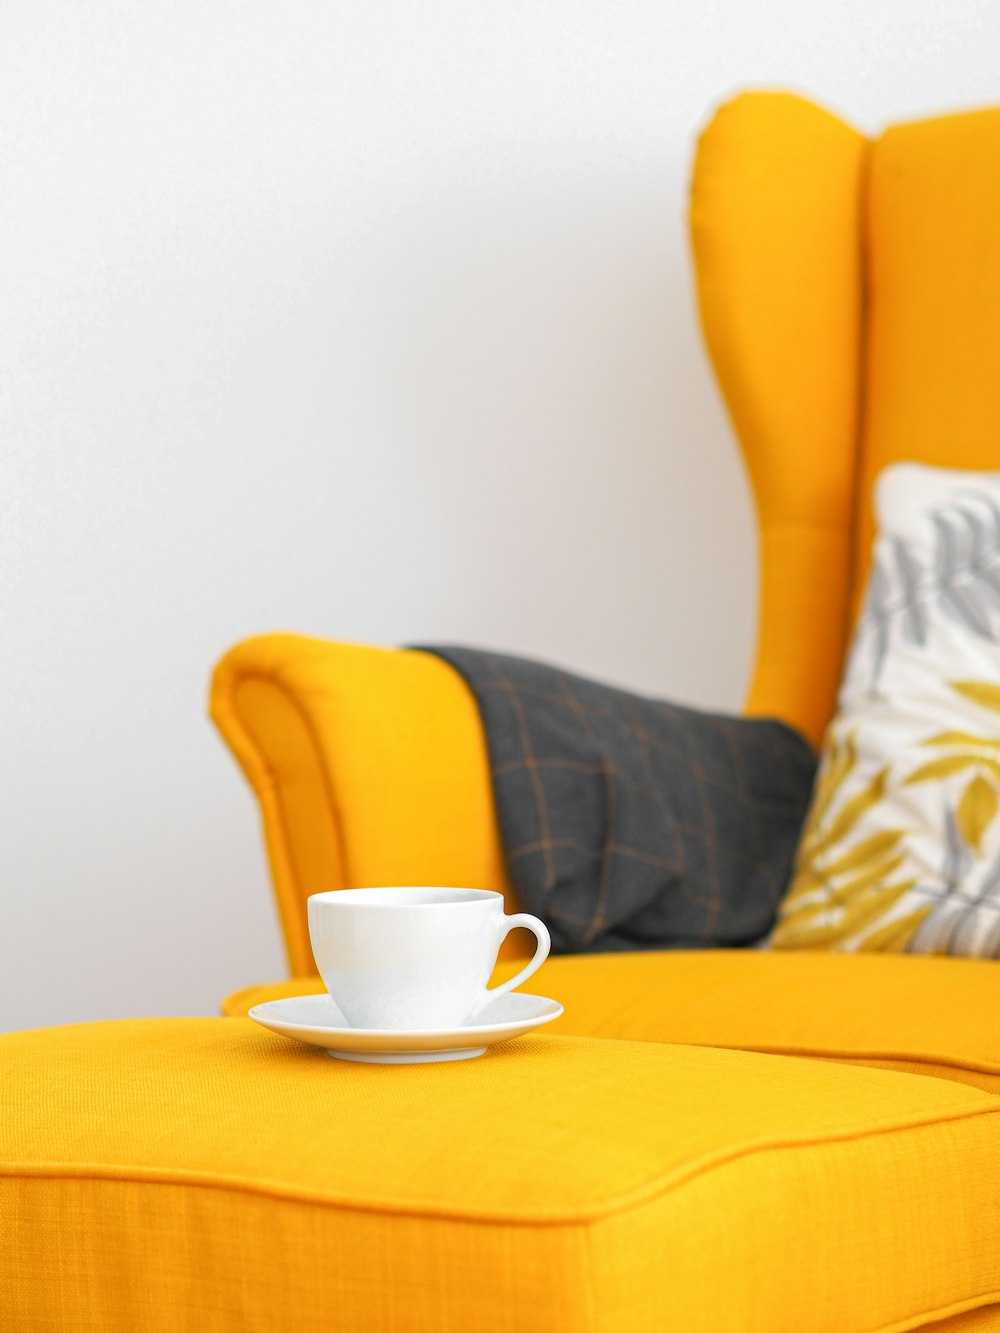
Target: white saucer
[(317, 1020)]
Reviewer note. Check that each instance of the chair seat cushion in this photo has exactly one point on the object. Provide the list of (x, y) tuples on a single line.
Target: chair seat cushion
[(204, 1174), (934, 1016)]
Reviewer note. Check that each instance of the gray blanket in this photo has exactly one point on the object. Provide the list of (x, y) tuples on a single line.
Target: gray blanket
[(629, 823)]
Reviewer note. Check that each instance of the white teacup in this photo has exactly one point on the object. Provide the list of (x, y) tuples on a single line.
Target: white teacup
[(414, 957)]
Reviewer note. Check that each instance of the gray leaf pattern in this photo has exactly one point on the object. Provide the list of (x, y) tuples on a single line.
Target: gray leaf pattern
[(880, 615), (962, 580), (961, 606), (946, 555), (964, 922), (947, 574), (989, 941), (914, 617), (957, 857), (982, 549)]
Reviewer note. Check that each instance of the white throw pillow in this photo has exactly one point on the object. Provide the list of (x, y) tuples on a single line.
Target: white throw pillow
[(901, 848)]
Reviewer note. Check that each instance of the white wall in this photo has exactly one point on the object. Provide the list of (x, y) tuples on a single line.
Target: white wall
[(368, 320)]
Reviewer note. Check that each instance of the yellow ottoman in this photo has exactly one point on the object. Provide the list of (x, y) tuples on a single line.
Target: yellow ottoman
[(200, 1174)]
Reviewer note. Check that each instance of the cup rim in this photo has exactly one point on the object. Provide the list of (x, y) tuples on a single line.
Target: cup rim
[(355, 898)]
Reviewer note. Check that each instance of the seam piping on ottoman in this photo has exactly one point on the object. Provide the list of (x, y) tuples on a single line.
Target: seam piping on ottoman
[(642, 1194), (906, 1057), (918, 1321)]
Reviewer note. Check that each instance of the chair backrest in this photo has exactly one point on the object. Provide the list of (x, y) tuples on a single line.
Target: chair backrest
[(850, 297)]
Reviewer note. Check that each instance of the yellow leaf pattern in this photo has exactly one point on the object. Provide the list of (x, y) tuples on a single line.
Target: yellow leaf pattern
[(896, 934), (849, 889), (982, 692), (866, 854), (843, 823), (839, 886), (949, 765), (976, 810), (901, 846), (962, 738)]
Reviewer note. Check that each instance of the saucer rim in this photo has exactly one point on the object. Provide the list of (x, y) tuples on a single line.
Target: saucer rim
[(408, 1033)]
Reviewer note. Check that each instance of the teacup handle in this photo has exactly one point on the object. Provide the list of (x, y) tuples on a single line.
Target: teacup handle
[(541, 934)]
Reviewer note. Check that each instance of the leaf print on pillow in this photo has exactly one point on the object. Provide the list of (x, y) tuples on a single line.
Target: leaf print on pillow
[(914, 612), (961, 578), (841, 884), (901, 848), (962, 738), (948, 765), (976, 811), (982, 692)]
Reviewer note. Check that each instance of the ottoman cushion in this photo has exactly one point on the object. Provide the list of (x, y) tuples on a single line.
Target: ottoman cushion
[(204, 1174)]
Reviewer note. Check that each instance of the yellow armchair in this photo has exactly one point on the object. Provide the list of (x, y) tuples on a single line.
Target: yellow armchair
[(845, 293)]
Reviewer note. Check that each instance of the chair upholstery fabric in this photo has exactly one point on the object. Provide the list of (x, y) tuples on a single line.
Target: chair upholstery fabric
[(776, 228), (932, 362), (201, 1173), (850, 298)]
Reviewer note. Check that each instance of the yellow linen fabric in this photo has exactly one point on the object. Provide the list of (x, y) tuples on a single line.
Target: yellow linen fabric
[(932, 387), (202, 1173), (776, 230), (935, 1016), (850, 298)]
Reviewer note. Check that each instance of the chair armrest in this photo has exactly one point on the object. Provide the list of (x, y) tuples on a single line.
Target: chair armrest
[(240, 1002), (370, 767)]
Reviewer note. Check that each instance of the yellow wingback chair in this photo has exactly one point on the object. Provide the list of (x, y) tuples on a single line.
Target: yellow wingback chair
[(850, 297), (723, 1142)]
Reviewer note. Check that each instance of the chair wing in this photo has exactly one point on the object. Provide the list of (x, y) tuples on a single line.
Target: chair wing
[(776, 225), (933, 339)]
